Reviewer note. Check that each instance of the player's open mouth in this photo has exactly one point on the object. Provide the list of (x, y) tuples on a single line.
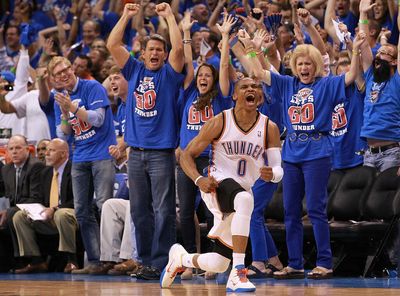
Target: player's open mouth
[(154, 60), (114, 88), (250, 98)]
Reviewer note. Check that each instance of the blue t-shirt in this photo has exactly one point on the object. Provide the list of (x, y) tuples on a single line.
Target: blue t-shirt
[(91, 143), (121, 118), (193, 120), (48, 109), (151, 105), (272, 108), (307, 109), (381, 108), (347, 120)]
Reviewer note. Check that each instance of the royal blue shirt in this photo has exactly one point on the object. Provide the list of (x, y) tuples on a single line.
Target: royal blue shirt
[(347, 120), (381, 108), (193, 120), (91, 143), (121, 118), (307, 109), (151, 106)]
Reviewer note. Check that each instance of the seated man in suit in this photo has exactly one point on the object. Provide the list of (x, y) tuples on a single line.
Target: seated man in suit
[(22, 182), (59, 216)]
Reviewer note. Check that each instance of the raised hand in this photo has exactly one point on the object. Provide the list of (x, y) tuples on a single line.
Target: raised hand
[(186, 22), (258, 39), (365, 6), (304, 16), (226, 26), (163, 9), (244, 37), (131, 9), (298, 34), (359, 40)]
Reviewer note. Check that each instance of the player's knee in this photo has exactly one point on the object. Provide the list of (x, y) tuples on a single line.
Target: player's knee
[(221, 264), (244, 203)]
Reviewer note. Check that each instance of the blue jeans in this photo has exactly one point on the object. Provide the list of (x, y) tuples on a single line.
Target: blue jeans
[(152, 196), (383, 160), (187, 192), (88, 177), (309, 177), (262, 244)]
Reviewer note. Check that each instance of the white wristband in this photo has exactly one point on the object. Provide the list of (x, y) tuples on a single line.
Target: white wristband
[(197, 179)]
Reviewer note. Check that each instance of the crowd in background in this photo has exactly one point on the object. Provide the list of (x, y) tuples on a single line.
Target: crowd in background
[(87, 74)]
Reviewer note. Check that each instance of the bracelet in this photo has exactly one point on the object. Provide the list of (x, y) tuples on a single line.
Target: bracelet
[(356, 52), (364, 22), (64, 121), (76, 111), (197, 179), (251, 54), (259, 52), (265, 50), (187, 41)]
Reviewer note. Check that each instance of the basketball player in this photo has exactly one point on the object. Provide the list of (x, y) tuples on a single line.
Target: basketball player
[(240, 138)]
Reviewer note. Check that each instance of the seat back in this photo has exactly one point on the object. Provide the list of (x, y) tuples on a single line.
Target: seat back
[(346, 204), (335, 178), (381, 202)]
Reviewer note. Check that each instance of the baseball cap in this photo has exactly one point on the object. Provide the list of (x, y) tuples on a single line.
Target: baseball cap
[(8, 76)]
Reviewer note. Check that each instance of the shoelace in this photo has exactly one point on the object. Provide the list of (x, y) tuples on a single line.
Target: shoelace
[(242, 274)]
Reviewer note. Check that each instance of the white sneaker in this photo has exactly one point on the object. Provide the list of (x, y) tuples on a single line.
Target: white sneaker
[(174, 265), (238, 282)]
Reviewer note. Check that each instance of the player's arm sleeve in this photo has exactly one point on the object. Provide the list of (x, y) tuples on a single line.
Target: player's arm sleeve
[(275, 162)]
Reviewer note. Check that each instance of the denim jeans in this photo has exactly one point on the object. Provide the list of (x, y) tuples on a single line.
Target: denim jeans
[(88, 177), (383, 160), (309, 177), (262, 243), (152, 196), (187, 192)]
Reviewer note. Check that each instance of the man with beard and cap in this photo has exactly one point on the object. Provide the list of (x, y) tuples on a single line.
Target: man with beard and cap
[(381, 126)]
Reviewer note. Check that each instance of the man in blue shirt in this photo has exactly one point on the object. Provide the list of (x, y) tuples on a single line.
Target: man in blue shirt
[(151, 131), (381, 126), (83, 111)]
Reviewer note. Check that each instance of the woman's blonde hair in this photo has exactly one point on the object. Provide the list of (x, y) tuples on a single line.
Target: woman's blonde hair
[(311, 52)]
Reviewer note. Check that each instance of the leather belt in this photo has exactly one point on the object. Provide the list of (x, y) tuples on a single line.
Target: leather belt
[(380, 149)]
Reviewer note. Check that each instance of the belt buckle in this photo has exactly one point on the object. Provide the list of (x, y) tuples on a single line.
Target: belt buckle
[(303, 137), (316, 137)]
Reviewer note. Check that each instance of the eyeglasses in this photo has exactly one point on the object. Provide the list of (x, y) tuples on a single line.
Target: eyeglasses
[(384, 52), (61, 72)]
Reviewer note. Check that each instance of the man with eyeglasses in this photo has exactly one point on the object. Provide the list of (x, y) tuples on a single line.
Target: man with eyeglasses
[(381, 126), (82, 110)]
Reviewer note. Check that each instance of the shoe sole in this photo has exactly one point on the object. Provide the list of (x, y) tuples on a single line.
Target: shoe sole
[(240, 290), (291, 276), (320, 276)]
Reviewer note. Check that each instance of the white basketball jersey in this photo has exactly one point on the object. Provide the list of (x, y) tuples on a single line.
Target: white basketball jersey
[(238, 154)]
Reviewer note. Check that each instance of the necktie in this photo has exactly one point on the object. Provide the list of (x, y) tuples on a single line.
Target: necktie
[(54, 190), (17, 176)]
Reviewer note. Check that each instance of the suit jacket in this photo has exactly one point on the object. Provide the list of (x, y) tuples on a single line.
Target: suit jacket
[(66, 196), (29, 182)]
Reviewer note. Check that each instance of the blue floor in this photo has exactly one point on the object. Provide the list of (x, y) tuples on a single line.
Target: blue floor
[(335, 282)]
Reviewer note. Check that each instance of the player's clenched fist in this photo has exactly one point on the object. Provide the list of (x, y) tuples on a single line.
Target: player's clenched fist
[(131, 9), (266, 173), (207, 184)]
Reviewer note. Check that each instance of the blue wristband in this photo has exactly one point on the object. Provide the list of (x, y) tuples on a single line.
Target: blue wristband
[(233, 41)]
